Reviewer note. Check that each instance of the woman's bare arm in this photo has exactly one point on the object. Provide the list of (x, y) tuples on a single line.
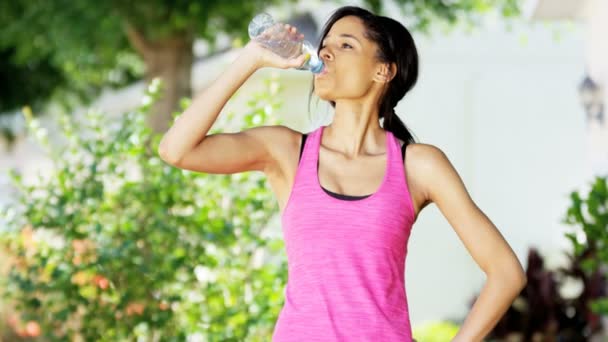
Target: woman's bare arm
[(505, 275), (192, 126), (187, 145)]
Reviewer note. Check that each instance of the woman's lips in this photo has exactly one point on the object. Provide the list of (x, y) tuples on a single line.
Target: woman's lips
[(324, 72)]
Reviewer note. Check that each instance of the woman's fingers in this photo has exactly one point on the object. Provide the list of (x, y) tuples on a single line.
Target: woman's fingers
[(299, 61)]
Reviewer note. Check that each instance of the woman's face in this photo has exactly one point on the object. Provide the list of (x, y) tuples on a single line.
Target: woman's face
[(349, 61)]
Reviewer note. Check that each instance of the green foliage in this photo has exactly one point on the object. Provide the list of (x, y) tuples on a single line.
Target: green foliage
[(79, 47), (74, 48), (114, 244), (16, 82), (589, 236), (447, 14)]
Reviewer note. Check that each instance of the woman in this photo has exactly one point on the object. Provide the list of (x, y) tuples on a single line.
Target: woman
[(347, 194)]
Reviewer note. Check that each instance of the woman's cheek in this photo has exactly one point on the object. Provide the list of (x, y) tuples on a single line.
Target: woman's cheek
[(353, 85)]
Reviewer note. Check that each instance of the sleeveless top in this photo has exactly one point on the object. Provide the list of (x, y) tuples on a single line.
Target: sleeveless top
[(346, 258)]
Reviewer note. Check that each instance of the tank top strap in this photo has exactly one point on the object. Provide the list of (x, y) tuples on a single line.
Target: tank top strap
[(308, 161), (395, 166), (315, 145)]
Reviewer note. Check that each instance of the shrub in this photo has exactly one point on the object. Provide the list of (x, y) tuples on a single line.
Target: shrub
[(114, 244)]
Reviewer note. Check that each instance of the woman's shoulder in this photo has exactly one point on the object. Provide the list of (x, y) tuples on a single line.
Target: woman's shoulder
[(431, 168), (425, 163), (283, 143), (425, 159), (278, 136), (425, 153)]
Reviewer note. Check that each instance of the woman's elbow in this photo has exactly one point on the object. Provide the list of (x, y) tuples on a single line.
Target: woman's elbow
[(513, 274), (523, 279), (165, 154), (517, 276)]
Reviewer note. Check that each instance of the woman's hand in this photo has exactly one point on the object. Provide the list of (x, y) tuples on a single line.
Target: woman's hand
[(266, 58)]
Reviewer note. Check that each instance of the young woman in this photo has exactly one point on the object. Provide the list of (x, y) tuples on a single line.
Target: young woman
[(347, 194)]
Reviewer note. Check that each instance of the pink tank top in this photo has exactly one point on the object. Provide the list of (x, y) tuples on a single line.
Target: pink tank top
[(346, 258)]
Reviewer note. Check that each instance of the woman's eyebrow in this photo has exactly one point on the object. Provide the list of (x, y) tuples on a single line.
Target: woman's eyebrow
[(345, 35)]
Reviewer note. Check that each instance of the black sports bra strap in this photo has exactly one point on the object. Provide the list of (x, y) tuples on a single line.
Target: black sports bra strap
[(302, 145)]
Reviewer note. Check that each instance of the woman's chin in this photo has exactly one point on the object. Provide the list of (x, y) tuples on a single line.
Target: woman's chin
[(324, 95)]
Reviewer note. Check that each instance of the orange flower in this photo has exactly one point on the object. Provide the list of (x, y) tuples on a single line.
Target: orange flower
[(163, 305), (32, 328), (135, 308), (84, 251), (101, 281)]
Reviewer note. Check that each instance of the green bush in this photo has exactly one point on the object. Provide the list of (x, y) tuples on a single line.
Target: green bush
[(589, 236), (114, 244)]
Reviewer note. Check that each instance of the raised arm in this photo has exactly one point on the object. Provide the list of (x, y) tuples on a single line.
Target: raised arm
[(192, 126), (187, 145)]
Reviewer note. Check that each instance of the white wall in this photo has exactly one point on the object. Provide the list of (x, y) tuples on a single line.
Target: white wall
[(507, 115), (596, 61)]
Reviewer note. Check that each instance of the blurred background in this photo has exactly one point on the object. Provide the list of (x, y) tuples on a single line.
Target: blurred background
[(101, 240)]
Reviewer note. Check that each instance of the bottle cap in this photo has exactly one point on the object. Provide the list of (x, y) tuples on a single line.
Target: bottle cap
[(316, 66)]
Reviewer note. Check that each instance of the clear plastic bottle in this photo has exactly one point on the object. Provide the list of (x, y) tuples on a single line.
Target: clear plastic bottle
[(287, 48)]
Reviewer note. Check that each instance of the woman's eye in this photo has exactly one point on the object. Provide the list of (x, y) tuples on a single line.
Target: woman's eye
[(343, 44)]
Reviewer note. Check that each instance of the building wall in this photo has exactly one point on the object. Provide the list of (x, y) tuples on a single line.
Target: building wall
[(507, 115), (596, 62)]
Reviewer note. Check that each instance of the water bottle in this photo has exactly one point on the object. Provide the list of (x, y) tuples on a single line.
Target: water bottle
[(286, 48)]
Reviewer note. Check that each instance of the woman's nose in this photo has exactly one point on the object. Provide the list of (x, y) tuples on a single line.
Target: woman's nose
[(325, 55)]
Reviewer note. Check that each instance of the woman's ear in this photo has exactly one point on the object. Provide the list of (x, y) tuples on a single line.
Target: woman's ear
[(392, 69), (386, 73)]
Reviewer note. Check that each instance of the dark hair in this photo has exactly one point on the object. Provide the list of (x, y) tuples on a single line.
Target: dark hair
[(395, 45)]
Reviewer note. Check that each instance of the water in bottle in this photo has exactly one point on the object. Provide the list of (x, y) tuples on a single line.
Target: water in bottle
[(286, 47)]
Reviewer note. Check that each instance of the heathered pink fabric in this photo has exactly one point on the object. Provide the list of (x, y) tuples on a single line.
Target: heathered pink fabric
[(346, 259)]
